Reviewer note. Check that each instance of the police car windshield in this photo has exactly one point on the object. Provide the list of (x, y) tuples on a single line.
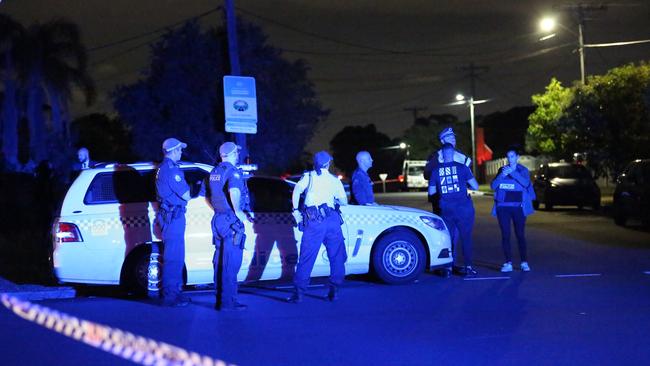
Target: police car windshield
[(569, 172)]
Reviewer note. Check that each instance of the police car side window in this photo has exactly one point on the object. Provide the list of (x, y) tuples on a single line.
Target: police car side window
[(269, 195), (195, 177), (125, 185)]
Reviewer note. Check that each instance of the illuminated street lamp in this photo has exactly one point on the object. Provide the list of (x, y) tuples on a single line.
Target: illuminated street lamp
[(460, 100), (549, 24)]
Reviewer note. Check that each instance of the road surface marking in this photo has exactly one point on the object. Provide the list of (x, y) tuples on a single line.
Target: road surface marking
[(486, 278), (132, 347), (578, 275)]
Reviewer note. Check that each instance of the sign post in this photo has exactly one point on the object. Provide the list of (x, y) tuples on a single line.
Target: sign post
[(383, 177), (240, 104)]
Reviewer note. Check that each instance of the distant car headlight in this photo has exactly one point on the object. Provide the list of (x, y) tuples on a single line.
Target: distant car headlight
[(434, 222)]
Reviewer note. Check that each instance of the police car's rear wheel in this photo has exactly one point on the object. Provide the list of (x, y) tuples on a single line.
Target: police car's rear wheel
[(399, 257), (140, 268)]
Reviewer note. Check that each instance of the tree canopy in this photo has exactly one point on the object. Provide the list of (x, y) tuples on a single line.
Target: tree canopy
[(181, 94), (608, 118)]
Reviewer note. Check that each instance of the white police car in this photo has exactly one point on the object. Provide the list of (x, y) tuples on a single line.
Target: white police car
[(106, 232)]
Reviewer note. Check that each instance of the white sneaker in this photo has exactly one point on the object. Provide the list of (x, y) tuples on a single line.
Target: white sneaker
[(525, 267), (506, 267)]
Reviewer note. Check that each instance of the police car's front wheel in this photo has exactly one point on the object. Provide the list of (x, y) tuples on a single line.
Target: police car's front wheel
[(399, 257)]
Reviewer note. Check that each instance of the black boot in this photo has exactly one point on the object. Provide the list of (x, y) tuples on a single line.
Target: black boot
[(295, 298), (333, 294)]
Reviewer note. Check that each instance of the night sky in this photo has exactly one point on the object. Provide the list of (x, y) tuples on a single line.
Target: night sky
[(372, 59)]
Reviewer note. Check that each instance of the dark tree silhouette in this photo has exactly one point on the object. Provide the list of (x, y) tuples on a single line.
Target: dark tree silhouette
[(181, 94)]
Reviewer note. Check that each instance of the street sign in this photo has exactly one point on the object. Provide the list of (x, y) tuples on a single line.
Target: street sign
[(383, 177), (240, 104)]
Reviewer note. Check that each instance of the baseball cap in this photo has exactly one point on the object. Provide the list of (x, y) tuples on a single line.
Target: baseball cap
[(321, 158), (227, 148), (172, 143), (446, 132)]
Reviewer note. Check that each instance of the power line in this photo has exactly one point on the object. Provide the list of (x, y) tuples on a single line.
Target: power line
[(155, 31)]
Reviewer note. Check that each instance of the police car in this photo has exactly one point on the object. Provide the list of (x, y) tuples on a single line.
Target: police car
[(106, 232)]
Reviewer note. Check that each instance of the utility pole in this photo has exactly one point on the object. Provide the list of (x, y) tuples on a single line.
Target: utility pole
[(473, 74), (414, 110), (235, 69), (580, 12)]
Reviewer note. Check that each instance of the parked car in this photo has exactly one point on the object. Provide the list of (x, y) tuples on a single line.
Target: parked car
[(106, 232), (632, 194), (565, 184)]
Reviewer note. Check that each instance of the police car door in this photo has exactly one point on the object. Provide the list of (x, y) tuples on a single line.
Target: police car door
[(198, 232), (272, 240)]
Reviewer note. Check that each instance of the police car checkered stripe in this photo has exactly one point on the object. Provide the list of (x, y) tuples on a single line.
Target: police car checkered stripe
[(260, 218), (369, 219), (138, 349)]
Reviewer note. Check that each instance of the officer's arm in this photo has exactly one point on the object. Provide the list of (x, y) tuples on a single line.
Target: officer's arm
[(522, 179), (297, 191), (473, 184), (497, 179), (358, 191), (432, 187), (235, 198), (340, 196), (180, 187)]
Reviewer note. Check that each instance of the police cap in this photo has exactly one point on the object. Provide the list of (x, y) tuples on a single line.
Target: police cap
[(446, 132), (321, 158), (228, 148), (172, 143)]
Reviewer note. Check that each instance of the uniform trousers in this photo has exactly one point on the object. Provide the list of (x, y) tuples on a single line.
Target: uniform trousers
[(227, 259), (506, 214), (173, 236), (327, 232), (459, 217)]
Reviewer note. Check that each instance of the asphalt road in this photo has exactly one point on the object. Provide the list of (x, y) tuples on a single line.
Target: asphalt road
[(586, 302)]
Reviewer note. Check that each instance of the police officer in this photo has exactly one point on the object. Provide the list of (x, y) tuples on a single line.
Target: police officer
[(513, 201), (228, 196), (173, 193), (446, 136), (322, 224), (361, 183), (450, 180)]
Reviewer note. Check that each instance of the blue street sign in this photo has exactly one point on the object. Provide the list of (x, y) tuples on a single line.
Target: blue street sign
[(240, 104)]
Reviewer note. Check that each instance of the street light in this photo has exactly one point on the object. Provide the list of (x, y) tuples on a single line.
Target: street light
[(460, 100), (548, 24)]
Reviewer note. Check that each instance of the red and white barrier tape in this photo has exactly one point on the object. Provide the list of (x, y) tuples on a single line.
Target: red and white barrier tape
[(145, 351)]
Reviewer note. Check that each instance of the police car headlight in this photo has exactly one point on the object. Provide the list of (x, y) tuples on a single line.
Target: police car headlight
[(434, 222)]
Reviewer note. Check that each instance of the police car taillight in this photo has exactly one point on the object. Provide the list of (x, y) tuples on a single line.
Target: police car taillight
[(400, 178), (67, 233)]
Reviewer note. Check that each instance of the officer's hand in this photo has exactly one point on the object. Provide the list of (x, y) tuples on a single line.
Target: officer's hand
[(297, 216), (507, 170)]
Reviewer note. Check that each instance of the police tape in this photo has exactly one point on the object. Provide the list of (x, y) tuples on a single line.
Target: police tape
[(138, 349)]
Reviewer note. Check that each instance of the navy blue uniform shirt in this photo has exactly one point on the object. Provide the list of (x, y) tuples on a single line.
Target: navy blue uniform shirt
[(451, 180), (171, 184), (362, 187), (223, 177)]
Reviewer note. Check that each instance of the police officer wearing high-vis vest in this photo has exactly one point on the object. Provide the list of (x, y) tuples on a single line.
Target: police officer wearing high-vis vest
[(229, 198), (450, 179), (513, 202), (446, 136), (173, 193), (321, 222)]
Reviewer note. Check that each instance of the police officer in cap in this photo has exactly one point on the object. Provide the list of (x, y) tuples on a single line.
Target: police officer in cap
[(450, 180), (173, 193), (228, 196), (322, 224), (446, 136)]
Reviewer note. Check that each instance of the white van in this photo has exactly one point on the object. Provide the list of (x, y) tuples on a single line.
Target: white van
[(412, 175)]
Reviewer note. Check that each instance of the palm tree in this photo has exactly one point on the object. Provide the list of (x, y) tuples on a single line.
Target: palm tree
[(53, 61), (10, 33)]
